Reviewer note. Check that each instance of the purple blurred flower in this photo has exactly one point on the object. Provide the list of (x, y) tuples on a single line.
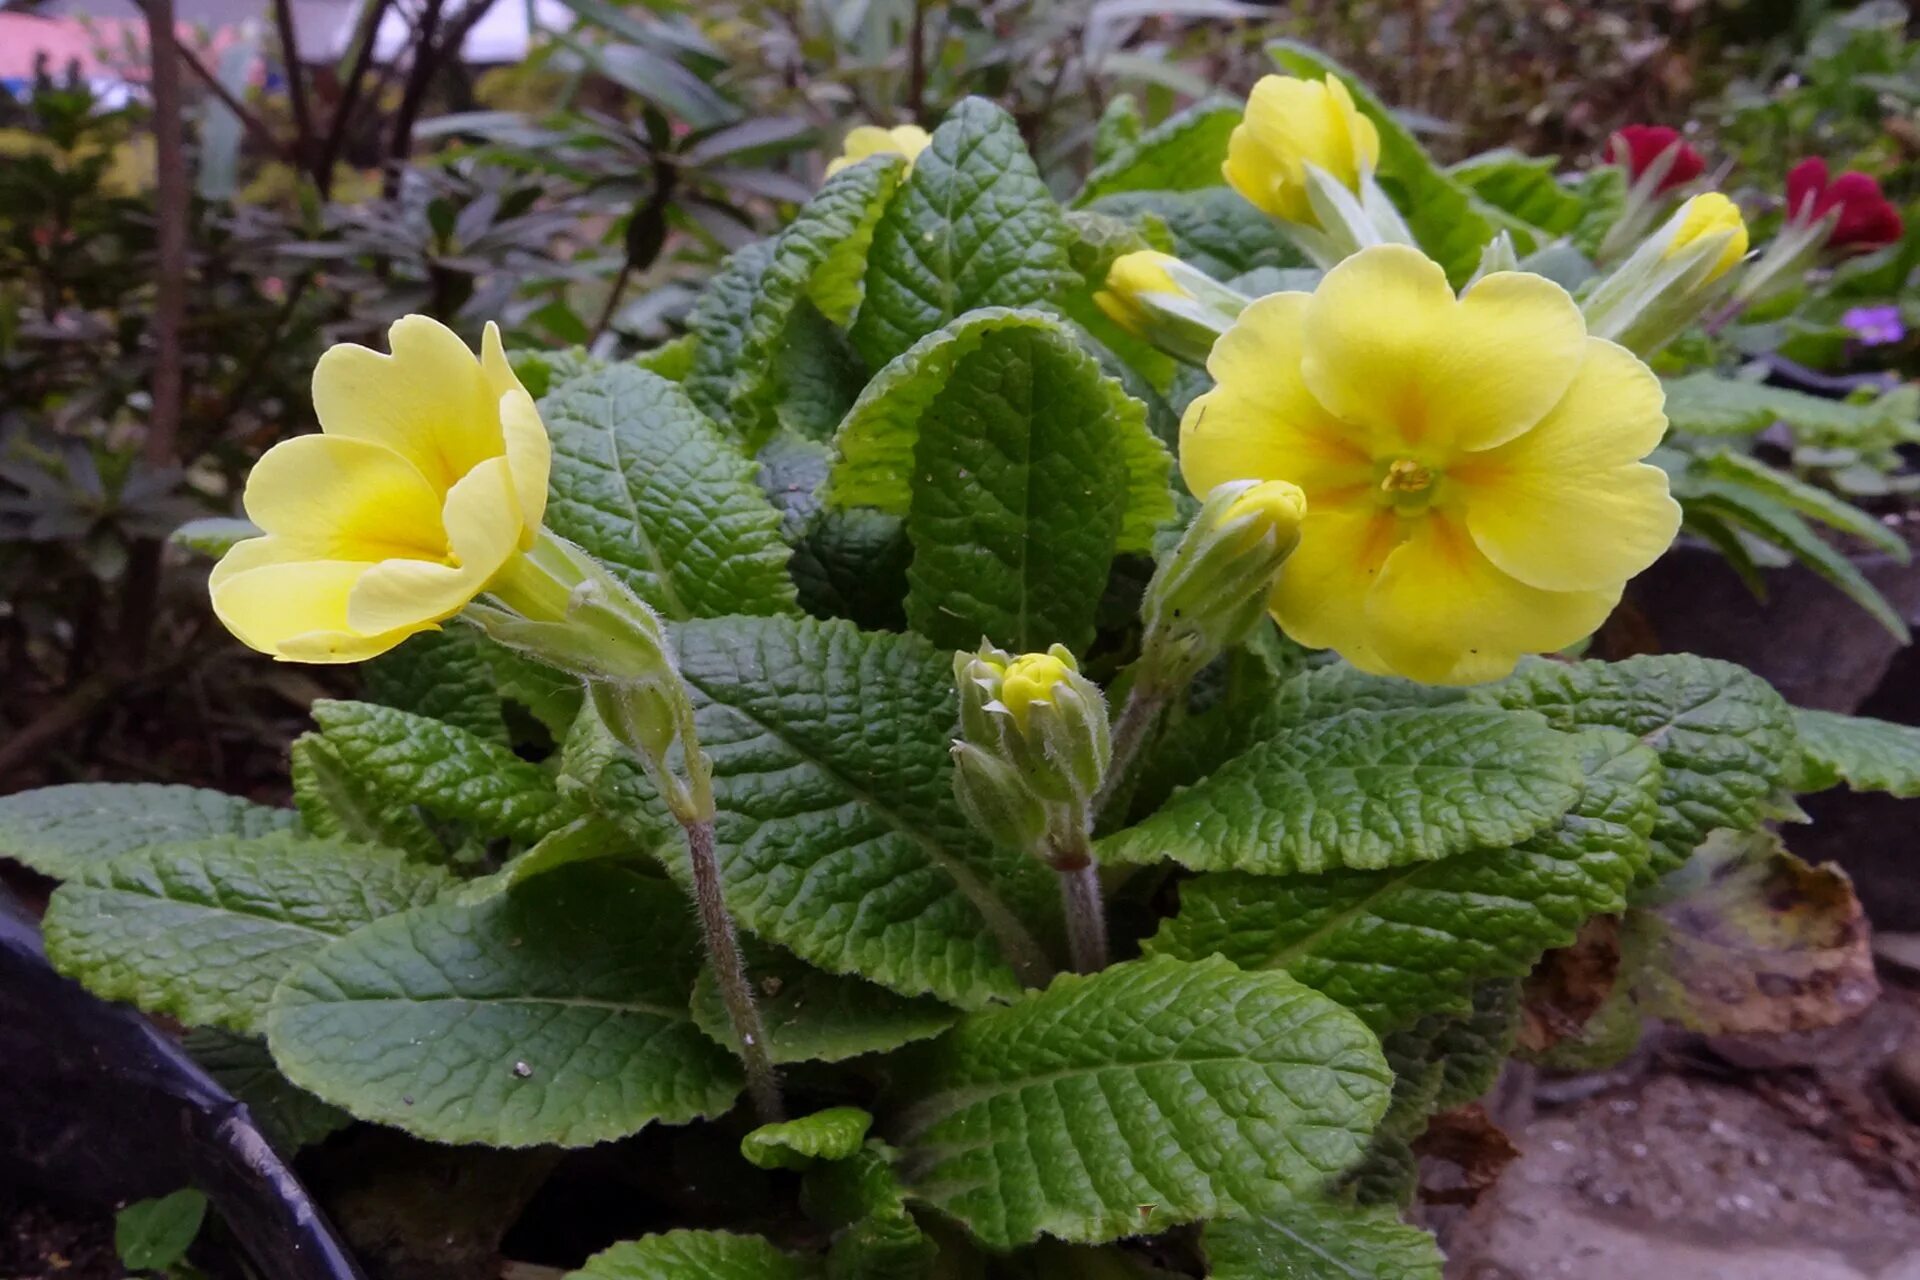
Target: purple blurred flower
[(1875, 326)]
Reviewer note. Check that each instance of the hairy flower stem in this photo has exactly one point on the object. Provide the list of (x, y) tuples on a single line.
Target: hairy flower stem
[(723, 949), (1086, 917), (1144, 703)]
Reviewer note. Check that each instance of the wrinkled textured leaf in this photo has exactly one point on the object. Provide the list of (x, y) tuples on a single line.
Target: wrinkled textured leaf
[(1393, 945), (552, 1014), (1441, 212), (1366, 790), (338, 804), (446, 771), (60, 831), (838, 835), (834, 1134), (879, 440), (203, 931), (290, 1117), (648, 484), (1866, 754), (694, 1255), (443, 675), (974, 226), (1747, 939), (1723, 735), (1182, 153), (1321, 1240), (150, 1235), (736, 375), (1152, 1093), (1711, 404), (875, 1234), (812, 1016), (1018, 495), (1215, 230)]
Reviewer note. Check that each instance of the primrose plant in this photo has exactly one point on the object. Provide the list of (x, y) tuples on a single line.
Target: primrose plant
[(847, 733)]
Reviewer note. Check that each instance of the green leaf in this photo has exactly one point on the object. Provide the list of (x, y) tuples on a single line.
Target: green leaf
[(853, 565), (838, 834), (974, 226), (1440, 211), (338, 804), (1866, 754), (446, 771), (878, 442), (60, 831), (551, 696), (1320, 693), (443, 675), (214, 535), (290, 1117), (875, 1235), (552, 1014), (1804, 499), (1152, 1093), (1523, 186), (718, 322), (648, 484), (1366, 790), (694, 1255), (1019, 494), (1392, 945), (834, 1134), (821, 253), (1711, 404), (1473, 1047), (541, 371), (591, 838), (672, 360), (1215, 230), (152, 1235), (1321, 1240), (202, 931), (1182, 153), (1724, 737), (1753, 509), (812, 1016)]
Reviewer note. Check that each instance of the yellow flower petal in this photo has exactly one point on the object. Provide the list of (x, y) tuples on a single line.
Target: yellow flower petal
[(340, 498), (865, 140), (494, 365), (1442, 613), (1289, 124), (1711, 215), (483, 525), (1390, 349), (429, 401), (294, 610), (529, 459), (1320, 599), (1569, 506), (1260, 422)]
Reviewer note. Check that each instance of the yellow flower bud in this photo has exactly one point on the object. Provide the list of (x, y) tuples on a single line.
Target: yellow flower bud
[(865, 140), (1131, 279), (1290, 124), (1711, 214), (1031, 678), (1273, 505)]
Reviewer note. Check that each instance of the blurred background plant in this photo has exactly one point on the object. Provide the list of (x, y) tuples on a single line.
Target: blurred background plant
[(583, 187)]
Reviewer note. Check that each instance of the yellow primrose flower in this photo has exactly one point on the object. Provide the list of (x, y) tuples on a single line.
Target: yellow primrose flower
[(865, 140), (428, 476), (1288, 125), (1472, 466), (1711, 214)]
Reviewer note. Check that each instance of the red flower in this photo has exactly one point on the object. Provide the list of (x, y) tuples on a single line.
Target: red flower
[(1637, 146), (1867, 221)]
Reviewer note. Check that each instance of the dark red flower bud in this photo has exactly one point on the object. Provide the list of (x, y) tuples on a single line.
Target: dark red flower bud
[(1637, 146), (1866, 221)]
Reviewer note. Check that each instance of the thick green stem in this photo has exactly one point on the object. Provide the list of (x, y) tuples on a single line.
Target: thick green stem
[(736, 991), (1086, 917)]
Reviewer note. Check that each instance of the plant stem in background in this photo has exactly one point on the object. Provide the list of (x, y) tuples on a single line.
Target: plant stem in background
[(736, 991), (1143, 706), (296, 84)]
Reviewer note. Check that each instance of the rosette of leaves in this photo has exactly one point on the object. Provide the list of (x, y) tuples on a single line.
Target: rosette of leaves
[(887, 438)]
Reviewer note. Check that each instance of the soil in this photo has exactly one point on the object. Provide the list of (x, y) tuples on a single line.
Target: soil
[(38, 1242)]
